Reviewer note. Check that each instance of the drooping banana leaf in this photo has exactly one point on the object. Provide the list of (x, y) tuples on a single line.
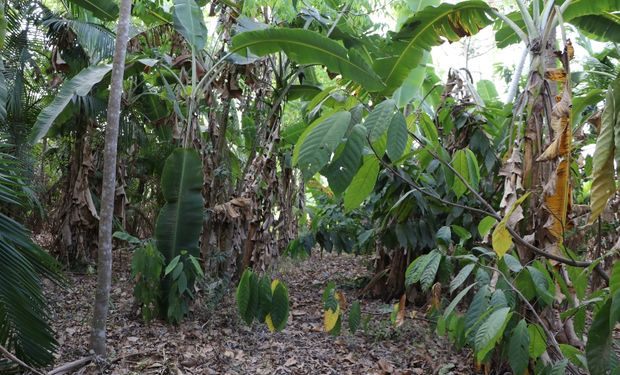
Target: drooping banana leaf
[(602, 27), (426, 29), (309, 47), (180, 220), (79, 85), (106, 10), (607, 149), (189, 21)]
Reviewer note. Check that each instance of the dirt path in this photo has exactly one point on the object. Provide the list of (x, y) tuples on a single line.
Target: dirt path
[(214, 341)]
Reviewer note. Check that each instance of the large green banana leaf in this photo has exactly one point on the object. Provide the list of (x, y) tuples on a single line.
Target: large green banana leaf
[(180, 220), (309, 47), (80, 85), (106, 10), (424, 30), (189, 21)]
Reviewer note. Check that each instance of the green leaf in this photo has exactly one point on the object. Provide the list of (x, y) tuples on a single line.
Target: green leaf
[(602, 27), (172, 265), (177, 270), (341, 171), (538, 340), (105, 10), (264, 298), (580, 103), (513, 263), (541, 284), (304, 92), (429, 273), (607, 144), (485, 225), (460, 278), (600, 338), (279, 307), (79, 85), (491, 331), (486, 90), (196, 265), (397, 137), (319, 142), (179, 222), (576, 356), (518, 347), (355, 316), (465, 163), (189, 22), (362, 184), (243, 297), (428, 28), (378, 120), (456, 301), (309, 47)]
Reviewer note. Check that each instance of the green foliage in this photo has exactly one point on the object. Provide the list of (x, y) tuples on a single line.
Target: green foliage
[(146, 269), (178, 228), (362, 183), (518, 348), (79, 85), (189, 22), (607, 150), (24, 314), (309, 47), (424, 269), (106, 10), (319, 141), (426, 29), (334, 309), (257, 299)]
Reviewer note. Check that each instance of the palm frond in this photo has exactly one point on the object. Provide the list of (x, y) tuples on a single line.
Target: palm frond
[(24, 315), (96, 40)]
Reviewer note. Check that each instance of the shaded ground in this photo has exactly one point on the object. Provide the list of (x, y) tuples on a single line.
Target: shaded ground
[(213, 340)]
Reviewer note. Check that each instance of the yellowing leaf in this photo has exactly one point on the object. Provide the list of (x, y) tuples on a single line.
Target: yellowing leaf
[(557, 200), (274, 284), (269, 323), (501, 239), (400, 315), (607, 144), (331, 318)]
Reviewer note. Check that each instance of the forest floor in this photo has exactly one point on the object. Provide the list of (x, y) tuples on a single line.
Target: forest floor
[(213, 340)]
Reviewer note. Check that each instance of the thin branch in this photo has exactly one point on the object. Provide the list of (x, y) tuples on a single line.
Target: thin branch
[(13, 358)]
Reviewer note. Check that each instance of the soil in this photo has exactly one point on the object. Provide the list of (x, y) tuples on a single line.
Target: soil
[(213, 340)]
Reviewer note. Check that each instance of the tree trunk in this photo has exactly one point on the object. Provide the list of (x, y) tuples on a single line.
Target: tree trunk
[(104, 263)]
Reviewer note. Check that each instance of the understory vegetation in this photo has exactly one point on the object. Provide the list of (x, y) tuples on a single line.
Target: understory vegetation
[(217, 141)]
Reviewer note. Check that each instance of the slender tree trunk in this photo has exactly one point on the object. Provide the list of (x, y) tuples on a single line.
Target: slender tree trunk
[(104, 262)]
